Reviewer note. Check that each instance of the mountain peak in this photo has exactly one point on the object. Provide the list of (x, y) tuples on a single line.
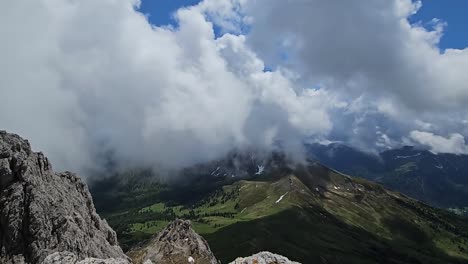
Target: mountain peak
[(177, 243)]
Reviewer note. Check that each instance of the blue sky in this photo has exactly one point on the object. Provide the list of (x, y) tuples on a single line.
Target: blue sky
[(453, 12), (160, 11)]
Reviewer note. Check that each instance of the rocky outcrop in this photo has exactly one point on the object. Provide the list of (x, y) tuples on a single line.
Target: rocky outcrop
[(70, 258), (175, 244), (48, 217), (264, 258)]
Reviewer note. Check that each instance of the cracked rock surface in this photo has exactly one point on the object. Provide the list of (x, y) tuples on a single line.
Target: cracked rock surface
[(264, 258), (176, 244), (47, 216)]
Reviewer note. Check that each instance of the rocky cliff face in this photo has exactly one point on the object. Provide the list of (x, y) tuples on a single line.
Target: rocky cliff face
[(175, 244), (45, 216)]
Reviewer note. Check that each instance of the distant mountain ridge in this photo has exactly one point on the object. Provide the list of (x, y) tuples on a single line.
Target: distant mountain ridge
[(438, 179), (242, 204)]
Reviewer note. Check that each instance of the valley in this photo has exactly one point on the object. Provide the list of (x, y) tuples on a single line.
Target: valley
[(304, 212)]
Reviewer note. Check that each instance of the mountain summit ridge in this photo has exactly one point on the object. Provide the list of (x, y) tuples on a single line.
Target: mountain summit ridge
[(437, 179)]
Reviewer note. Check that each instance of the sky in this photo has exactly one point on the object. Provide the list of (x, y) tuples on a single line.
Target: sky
[(93, 83), (452, 12), (160, 12)]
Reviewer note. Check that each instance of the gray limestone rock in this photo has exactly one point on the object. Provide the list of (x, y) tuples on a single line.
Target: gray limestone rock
[(264, 258), (175, 244), (70, 258), (42, 212)]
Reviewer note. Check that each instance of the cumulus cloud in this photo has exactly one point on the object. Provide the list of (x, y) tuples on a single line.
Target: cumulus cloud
[(455, 143), (362, 47), (389, 71), (88, 80)]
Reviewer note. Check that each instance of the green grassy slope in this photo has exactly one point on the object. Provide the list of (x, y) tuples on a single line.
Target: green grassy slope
[(310, 214)]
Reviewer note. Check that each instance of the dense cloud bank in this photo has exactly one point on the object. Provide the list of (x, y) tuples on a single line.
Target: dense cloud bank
[(88, 81)]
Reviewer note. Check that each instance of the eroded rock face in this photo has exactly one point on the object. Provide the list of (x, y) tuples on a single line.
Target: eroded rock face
[(42, 212), (264, 258), (175, 244), (70, 258)]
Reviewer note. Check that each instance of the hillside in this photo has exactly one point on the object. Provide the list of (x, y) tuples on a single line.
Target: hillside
[(308, 213), (438, 179)]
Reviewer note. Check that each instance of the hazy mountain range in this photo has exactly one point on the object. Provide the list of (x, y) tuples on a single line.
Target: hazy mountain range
[(438, 179)]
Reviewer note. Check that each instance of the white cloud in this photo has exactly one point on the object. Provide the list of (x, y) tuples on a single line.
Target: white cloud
[(85, 80), (362, 47), (455, 143), (367, 54)]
